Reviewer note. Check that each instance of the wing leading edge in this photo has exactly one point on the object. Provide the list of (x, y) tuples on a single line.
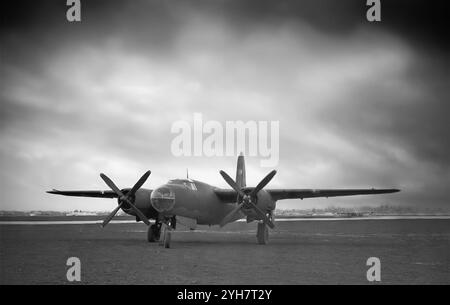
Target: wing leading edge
[(280, 194), (314, 193)]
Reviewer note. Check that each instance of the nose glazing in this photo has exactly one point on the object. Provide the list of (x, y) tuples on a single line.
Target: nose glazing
[(162, 199)]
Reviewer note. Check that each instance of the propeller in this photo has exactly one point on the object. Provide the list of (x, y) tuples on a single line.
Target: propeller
[(247, 199), (126, 199)]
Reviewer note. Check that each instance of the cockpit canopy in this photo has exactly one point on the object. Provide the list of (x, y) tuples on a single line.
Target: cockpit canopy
[(188, 183)]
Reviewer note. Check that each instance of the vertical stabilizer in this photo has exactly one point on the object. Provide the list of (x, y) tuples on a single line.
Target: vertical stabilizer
[(240, 171)]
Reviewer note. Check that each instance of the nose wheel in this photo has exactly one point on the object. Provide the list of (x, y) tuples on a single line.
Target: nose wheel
[(168, 226), (167, 236)]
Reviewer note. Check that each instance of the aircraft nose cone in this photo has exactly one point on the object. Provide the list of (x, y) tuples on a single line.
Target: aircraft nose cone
[(162, 199)]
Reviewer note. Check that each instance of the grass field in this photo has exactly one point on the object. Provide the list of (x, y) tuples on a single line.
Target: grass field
[(299, 252)]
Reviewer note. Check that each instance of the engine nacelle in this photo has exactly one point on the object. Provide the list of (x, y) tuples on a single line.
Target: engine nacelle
[(142, 201), (265, 202)]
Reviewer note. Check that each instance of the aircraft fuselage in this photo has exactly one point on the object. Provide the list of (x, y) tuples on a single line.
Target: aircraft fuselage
[(192, 199)]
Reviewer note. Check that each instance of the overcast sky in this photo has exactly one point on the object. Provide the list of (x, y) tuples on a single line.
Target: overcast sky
[(359, 104)]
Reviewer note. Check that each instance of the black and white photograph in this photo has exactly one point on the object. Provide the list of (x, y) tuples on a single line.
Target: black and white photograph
[(224, 147)]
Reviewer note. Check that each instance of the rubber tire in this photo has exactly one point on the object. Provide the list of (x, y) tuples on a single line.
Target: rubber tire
[(152, 234), (262, 234)]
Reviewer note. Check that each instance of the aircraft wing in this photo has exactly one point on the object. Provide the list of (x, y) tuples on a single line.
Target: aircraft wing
[(226, 195), (279, 194), (313, 193), (97, 194)]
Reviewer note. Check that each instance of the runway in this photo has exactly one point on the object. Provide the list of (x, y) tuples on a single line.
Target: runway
[(82, 222), (411, 251)]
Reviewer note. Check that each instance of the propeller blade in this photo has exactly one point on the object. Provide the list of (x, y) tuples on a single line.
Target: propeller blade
[(263, 216), (139, 184), (138, 212), (111, 215), (111, 185), (248, 199), (263, 183), (122, 198), (230, 215), (231, 183)]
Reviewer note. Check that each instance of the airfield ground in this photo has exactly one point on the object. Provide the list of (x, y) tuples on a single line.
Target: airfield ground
[(299, 252)]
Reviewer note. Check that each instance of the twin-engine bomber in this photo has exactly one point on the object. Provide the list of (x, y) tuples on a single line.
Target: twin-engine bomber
[(204, 204)]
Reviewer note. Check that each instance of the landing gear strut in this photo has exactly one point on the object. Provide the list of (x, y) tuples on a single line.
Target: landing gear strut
[(262, 234)]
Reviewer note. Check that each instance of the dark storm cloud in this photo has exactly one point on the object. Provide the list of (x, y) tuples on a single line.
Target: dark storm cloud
[(360, 104), (419, 121), (419, 21)]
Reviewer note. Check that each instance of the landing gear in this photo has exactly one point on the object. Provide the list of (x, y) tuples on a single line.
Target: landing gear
[(168, 226), (262, 234), (167, 236), (154, 232)]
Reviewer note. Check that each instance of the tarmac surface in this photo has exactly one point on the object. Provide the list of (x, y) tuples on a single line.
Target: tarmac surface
[(411, 251)]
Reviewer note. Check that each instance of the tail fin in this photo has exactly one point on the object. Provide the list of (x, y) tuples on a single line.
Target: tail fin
[(240, 171)]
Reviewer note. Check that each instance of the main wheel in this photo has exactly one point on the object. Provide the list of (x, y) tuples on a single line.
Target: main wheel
[(262, 234), (153, 233)]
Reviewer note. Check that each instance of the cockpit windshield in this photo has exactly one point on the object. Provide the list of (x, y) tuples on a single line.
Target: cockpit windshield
[(184, 182)]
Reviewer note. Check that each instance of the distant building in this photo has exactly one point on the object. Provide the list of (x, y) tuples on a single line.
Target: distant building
[(81, 213)]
